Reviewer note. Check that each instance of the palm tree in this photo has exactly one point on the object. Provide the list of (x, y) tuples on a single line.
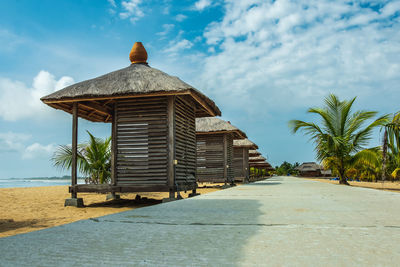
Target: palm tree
[(391, 140), (93, 159), (341, 134), (368, 163)]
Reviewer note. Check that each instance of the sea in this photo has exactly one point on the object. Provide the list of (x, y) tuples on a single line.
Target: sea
[(36, 181)]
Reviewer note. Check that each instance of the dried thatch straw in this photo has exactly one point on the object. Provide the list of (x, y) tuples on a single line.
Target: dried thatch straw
[(137, 79), (258, 158), (254, 153), (216, 125), (263, 164), (244, 143), (309, 166)]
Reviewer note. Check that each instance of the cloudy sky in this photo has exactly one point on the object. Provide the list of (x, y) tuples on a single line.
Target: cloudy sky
[(263, 62)]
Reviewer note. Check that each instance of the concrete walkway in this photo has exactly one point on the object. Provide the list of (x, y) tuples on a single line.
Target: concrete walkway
[(282, 221)]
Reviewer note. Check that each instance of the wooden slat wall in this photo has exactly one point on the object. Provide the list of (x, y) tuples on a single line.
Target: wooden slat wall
[(185, 143), (246, 162), (230, 172), (240, 163), (141, 134), (210, 158)]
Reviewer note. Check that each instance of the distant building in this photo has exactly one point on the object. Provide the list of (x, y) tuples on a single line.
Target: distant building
[(312, 169)]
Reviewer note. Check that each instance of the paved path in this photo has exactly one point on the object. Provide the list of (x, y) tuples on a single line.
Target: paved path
[(282, 221)]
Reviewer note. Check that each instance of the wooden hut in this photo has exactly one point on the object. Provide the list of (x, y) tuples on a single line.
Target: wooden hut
[(312, 169), (153, 126), (215, 150), (260, 169), (241, 149)]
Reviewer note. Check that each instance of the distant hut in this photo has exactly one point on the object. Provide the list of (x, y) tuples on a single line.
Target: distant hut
[(153, 126), (326, 173), (309, 169), (254, 153), (215, 150), (241, 149)]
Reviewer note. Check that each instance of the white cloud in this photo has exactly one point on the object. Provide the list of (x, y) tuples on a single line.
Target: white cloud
[(390, 8), (177, 46), (17, 142), (18, 101), (12, 142), (132, 10), (202, 4), (37, 150), (180, 17), (112, 3), (289, 54), (9, 41), (167, 28)]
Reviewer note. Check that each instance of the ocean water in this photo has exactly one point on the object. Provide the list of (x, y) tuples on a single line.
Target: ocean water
[(35, 182)]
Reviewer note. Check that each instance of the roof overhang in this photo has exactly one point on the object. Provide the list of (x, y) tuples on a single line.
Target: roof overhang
[(100, 108)]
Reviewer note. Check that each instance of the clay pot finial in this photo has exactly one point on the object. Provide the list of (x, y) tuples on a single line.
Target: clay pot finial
[(138, 53)]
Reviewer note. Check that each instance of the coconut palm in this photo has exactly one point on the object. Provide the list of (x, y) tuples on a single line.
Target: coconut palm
[(93, 159), (342, 133), (391, 141), (368, 163)]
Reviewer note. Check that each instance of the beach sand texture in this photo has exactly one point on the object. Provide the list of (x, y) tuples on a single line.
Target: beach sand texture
[(29, 209)]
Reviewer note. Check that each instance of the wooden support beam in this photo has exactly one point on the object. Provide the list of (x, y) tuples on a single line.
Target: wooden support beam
[(99, 108), (114, 147), (171, 145), (74, 146), (225, 155), (244, 165), (203, 104)]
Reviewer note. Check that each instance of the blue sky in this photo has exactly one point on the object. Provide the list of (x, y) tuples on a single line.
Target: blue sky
[(263, 62)]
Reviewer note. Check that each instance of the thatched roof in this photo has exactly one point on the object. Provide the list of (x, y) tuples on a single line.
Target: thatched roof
[(211, 125), (263, 164), (309, 166), (256, 159), (244, 143), (137, 80), (254, 153)]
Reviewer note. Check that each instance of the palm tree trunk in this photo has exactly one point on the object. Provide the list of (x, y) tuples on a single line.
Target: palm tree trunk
[(384, 154), (342, 177)]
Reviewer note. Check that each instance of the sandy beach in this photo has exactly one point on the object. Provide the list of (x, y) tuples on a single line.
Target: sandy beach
[(33, 208), (389, 186)]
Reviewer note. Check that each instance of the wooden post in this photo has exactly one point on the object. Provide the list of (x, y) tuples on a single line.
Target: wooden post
[(225, 144), (114, 147), (171, 146), (245, 167), (74, 147)]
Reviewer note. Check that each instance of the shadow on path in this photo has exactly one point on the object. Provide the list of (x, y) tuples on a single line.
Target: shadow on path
[(264, 183), (191, 232)]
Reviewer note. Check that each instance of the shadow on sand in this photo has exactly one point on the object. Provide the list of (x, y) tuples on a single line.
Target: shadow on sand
[(10, 224), (123, 202)]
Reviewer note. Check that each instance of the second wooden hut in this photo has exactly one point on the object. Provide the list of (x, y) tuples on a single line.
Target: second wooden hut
[(215, 150)]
